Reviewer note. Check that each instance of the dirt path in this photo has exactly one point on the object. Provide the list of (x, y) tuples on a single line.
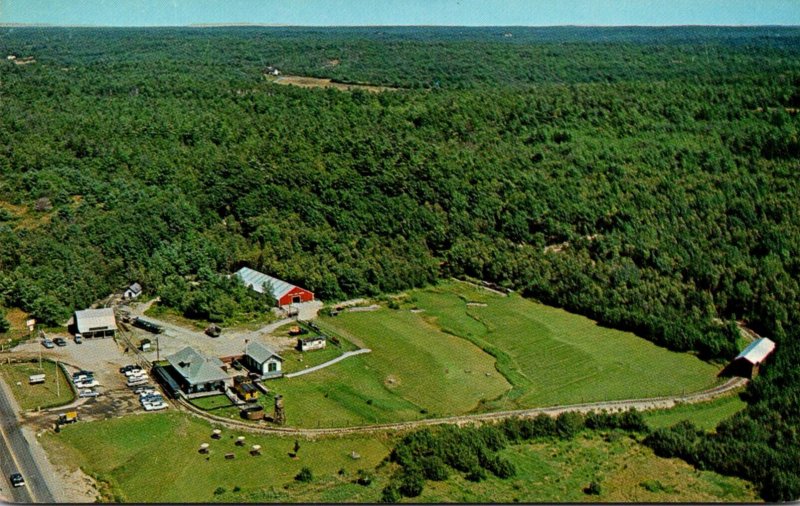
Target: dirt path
[(328, 363), (611, 406)]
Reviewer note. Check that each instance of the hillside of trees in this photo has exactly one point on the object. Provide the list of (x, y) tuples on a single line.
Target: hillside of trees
[(646, 178)]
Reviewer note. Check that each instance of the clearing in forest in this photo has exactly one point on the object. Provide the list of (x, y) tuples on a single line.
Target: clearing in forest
[(315, 82), (470, 350)]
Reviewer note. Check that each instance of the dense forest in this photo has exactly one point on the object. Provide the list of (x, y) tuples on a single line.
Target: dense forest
[(646, 178)]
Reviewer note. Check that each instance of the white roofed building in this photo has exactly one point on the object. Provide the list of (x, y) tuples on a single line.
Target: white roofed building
[(96, 322), (748, 362)]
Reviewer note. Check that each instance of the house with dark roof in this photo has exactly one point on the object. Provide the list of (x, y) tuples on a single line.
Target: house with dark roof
[(262, 360), (749, 361), (283, 292), (196, 374), (96, 322)]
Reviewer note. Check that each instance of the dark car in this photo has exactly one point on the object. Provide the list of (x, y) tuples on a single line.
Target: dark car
[(17, 480), (129, 368), (60, 342)]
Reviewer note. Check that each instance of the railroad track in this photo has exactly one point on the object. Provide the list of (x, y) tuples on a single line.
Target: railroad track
[(621, 405)]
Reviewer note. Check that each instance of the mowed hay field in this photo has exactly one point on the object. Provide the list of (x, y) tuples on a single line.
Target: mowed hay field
[(434, 361), (154, 457), (414, 371), (554, 357)]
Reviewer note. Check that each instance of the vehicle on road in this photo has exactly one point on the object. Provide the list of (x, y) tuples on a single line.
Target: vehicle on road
[(78, 339), (68, 417), (88, 392), (17, 480), (59, 341), (48, 344)]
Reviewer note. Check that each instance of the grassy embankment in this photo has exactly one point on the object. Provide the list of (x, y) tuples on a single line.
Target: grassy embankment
[(45, 395)]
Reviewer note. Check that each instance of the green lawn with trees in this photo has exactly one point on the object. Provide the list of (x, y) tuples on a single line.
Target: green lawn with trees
[(642, 177), (55, 391)]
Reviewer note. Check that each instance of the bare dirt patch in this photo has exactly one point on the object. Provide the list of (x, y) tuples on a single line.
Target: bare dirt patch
[(314, 82)]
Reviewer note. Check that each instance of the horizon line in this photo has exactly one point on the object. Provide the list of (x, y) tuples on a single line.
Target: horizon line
[(288, 25)]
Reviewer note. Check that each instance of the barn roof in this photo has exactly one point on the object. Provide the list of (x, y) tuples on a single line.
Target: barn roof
[(256, 280), (261, 353), (197, 368), (90, 320), (757, 351)]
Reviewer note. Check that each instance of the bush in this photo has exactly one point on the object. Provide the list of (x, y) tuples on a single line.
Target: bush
[(390, 494), (219, 491), (305, 475), (412, 483), (434, 468), (568, 424), (477, 474), (592, 489), (365, 478)]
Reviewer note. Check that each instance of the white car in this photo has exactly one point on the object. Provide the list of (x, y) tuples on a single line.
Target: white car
[(87, 384), (88, 393), (136, 372), (135, 382), (155, 406)]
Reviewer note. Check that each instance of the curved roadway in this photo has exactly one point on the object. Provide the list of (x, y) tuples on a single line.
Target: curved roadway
[(639, 404)]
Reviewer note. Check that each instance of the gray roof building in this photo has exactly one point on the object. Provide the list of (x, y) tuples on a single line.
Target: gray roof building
[(197, 369), (91, 322), (757, 351), (258, 280), (261, 353)]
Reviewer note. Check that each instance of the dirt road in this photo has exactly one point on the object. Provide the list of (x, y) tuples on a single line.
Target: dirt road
[(611, 406)]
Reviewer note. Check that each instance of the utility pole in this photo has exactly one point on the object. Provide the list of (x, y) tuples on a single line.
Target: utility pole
[(158, 353), (58, 383)]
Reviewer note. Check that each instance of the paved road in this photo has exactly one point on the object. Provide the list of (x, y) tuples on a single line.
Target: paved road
[(329, 362), (17, 455), (623, 405)]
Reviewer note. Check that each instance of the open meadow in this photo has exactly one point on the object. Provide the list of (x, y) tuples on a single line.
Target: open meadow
[(454, 349), (155, 458)]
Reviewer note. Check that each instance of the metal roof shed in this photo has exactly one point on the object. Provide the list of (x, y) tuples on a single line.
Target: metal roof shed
[(96, 322)]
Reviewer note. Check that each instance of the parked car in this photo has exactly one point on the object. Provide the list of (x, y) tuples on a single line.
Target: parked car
[(128, 368), (17, 480), (133, 382), (135, 372), (87, 392), (87, 383), (60, 341), (48, 344), (78, 339), (156, 406), (144, 390)]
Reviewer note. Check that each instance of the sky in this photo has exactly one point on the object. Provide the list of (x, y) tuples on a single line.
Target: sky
[(401, 12)]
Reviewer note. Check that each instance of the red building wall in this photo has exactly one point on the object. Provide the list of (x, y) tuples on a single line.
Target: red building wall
[(302, 294)]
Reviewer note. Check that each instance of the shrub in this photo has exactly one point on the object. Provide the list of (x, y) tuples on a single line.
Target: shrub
[(568, 424), (305, 475), (219, 491), (412, 483), (390, 494), (434, 468), (592, 489)]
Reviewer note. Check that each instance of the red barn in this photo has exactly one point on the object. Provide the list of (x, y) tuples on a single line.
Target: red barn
[(284, 293)]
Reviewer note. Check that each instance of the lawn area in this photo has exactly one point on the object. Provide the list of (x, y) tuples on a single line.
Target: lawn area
[(154, 458), (45, 395), (463, 348), (706, 415), (554, 357), (247, 321), (414, 371), (558, 471)]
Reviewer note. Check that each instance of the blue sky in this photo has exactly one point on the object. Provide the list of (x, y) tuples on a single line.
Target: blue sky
[(402, 12)]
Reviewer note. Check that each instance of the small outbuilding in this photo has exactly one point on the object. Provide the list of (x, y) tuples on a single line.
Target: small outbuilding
[(262, 361), (133, 291), (196, 374), (748, 362), (283, 292), (96, 322), (311, 343)]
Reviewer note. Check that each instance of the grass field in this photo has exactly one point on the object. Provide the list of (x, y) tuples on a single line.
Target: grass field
[(45, 395), (414, 371), (558, 471), (154, 458), (705, 415), (472, 350)]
